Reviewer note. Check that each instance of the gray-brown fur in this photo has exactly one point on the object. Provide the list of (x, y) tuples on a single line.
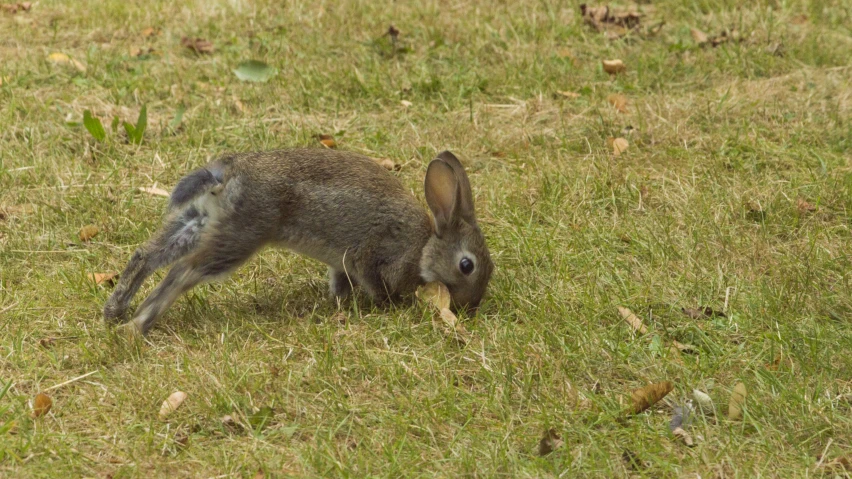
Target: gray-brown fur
[(337, 207)]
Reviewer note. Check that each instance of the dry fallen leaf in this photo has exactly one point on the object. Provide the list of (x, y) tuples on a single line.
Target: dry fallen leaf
[(632, 320), (618, 145), (42, 404), (327, 141), (63, 59), (150, 32), (171, 404), (619, 101), (385, 163), (684, 436), (614, 23), (88, 232), (568, 94), (198, 45), (804, 207), (47, 343), (645, 397), (700, 37), (434, 293), (703, 401), (613, 67), (550, 442), (107, 279), (153, 190), (405, 103), (450, 326), (737, 401)]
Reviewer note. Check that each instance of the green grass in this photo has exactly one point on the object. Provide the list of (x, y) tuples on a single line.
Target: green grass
[(700, 208)]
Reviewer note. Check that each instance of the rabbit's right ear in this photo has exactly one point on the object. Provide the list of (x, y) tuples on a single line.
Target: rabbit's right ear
[(441, 194)]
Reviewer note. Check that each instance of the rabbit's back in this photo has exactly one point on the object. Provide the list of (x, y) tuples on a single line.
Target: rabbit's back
[(325, 203)]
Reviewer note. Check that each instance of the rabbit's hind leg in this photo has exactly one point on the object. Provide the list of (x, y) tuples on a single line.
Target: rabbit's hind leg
[(339, 284), (218, 254), (174, 240)]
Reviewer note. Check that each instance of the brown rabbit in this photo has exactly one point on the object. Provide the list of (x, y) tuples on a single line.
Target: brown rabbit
[(337, 207)]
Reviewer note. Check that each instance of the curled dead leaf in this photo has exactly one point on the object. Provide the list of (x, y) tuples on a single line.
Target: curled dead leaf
[(613, 67), (41, 404), (684, 436), (737, 402), (385, 163), (618, 101), (198, 45), (647, 396), (632, 320), (804, 207), (153, 190), (550, 441), (700, 37), (63, 59), (171, 404), (107, 279), (704, 402), (567, 94), (327, 141), (88, 232), (434, 293), (618, 145), (614, 23)]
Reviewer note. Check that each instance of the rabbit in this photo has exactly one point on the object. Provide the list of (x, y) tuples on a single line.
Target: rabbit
[(340, 208)]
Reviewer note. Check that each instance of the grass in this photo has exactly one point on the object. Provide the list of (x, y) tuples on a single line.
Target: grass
[(702, 209)]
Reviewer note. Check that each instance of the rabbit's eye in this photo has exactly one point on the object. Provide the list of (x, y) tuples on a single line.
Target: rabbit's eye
[(466, 266)]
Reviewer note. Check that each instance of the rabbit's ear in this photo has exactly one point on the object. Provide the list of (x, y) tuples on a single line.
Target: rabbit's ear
[(441, 194), (465, 204)]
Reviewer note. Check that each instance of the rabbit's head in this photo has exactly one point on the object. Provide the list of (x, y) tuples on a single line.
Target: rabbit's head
[(456, 253)]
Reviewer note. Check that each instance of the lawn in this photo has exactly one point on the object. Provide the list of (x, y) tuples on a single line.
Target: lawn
[(734, 193)]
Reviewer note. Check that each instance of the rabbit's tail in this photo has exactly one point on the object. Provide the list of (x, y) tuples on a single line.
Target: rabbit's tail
[(196, 183)]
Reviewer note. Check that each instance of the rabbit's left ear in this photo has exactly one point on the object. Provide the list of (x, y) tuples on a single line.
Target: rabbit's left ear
[(465, 195), (441, 195)]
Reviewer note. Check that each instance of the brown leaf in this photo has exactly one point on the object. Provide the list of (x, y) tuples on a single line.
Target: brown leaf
[(450, 325), (618, 145), (632, 320), (683, 436), (619, 101), (700, 37), (107, 279), (804, 207), (42, 404), (327, 141), (198, 45), (150, 32), (153, 190), (63, 59), (405, 103), (550, 442), (737, 401), (799, 19), (171, 404), (385, 163), (567, 94), (88, 232), (604, 19), (434, 293), (645, 397), (47, 343), (613, 67)]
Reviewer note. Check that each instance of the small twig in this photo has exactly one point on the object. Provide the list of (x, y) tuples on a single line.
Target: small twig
[(7, 308), (822, 456), (72, 380)]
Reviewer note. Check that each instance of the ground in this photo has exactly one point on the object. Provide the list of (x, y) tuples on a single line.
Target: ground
[(734, 193)]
